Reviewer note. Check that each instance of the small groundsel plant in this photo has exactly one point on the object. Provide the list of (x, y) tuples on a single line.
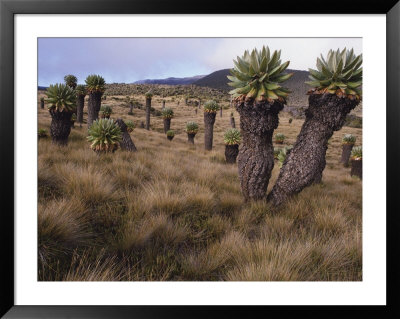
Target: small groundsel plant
[(130, 126), (349, 139), (232, 137), (192, 127), (340, 73), (279, 137), (277, 150), (167, 113), (170, 133), (283, 153), (257, 75), (105, 111), (42, 133), (356, 153), (104, 136), (211, 106)]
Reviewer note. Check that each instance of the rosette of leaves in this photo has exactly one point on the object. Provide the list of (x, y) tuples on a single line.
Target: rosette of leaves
[(349, 139), (192, 127), (95, 83), (340, 73), (167, 113), (283, 153), (211, 106), (279, 138), (80, 90), (148, 94), (232, 137), (61, 98), (170, 133), (105, 111), (42, 133), (258, 75), (104, 136), (130, 126), (356, 153), (70, 80)]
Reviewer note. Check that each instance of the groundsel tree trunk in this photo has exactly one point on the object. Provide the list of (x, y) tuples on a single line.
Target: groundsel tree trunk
[(148, 107), (305, 163), (209, 120), (94, 105), (126, 143), (258, 120), (80, 102), (60, 127)]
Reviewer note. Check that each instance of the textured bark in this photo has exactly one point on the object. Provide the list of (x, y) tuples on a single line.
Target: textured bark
[(130, 108), (231, 153), (220, 112), (163, 104), (126, 143), (60, 127), (94, 105), (195, 111), (167, 125), (42, 104), (258, 120), (209, 120), (305, 163), (142, 124), (356, 168), (233, 125), (80, 102), (148, 107), (346, 152), (191, 138)]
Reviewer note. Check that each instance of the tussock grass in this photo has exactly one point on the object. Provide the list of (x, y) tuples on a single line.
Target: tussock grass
[(172, 211)]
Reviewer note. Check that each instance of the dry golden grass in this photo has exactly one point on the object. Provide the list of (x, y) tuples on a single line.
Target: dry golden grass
[(172, 211)]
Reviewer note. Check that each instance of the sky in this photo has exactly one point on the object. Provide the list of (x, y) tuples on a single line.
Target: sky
[(126, 60)]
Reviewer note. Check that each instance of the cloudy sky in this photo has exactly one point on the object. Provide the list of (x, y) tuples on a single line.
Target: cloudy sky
[(125, 60)]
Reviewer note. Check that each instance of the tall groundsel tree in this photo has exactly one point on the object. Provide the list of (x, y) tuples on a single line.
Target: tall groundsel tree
[(61, 101), (210, 110), (71, 81), (80, 102), (258, 97), (95, 86), (337, 89), (148, 96)]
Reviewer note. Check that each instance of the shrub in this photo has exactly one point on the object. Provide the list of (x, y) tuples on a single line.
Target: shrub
[(167, 113), (348, 139), (211, 106), (105, 111), (280, 137), (130, 126), (192, 127), (42, 132), (104, 136), (170, 133), (232, 137), (290, 121), (283, 153), (356, 153)]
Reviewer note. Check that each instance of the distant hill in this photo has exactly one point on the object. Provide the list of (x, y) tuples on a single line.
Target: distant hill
[(296, 84), (42, 88), (171, 81)]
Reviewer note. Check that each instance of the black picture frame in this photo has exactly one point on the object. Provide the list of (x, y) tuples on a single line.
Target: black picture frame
[(9, 8)]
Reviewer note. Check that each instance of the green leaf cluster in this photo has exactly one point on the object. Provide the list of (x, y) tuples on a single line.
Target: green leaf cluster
[(356, 153), (71, 80), (104, 135), (211, 106), (283, 153), (340, 73), (42, 132), (80, 90), (170, 133), (167, 113), (192, 127), (280, 137), (130, 126), (148, 94), (105, 110), (232, 137), (61, 98), (258, 75), (95, 84), (348, 139)]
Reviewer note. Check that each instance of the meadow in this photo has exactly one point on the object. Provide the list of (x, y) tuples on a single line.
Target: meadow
[(173, 211)]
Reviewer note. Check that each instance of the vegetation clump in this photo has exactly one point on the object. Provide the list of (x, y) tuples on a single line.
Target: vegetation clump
[(349, 139), (104, 136), (95, 84), (170, 134), (71, 81), (211, 106), (232, 137), (167, 113), (130, 126), (282, 154), (42, 133), (192, 127), (105, 111), (280, 138), (257, 75), (340, 74), (356, 153)]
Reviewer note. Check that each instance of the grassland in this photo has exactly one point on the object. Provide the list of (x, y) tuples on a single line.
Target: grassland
[(172, 211)]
